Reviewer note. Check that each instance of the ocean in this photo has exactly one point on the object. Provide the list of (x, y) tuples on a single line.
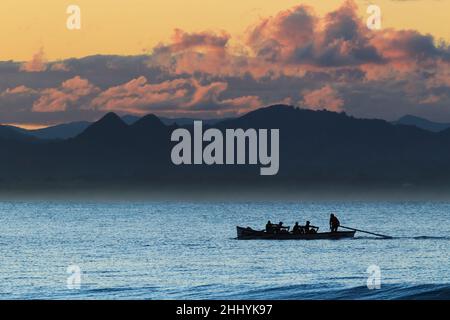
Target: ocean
[(188, 250)]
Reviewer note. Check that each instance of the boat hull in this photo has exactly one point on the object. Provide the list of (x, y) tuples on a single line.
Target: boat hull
[(250, 234)]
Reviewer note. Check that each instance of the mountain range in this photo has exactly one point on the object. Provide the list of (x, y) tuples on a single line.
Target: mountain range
[(422, 123), (317, 148), (72, 129)]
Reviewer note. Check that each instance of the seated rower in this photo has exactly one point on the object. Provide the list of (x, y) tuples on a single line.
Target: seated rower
[(297, 229), (309, 228), (282, 229)]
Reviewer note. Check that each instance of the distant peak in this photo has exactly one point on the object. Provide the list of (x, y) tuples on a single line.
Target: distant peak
[(110, 116), (147, 120), (110, 119), (109, 125), (151, 117), (411, 117)]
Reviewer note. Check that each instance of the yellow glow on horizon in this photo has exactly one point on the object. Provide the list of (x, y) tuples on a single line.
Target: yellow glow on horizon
[(27, 126), (135, 26)]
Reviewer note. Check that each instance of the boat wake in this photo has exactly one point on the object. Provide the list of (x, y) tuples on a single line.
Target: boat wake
[(403, 238)]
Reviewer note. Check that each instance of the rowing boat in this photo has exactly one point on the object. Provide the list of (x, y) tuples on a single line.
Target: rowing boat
[(250, 234)]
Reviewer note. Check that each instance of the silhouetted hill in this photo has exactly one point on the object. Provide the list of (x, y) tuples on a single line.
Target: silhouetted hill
[(61, 131), (72, 129), (10, 133), (109, 129), (422, 123), (149, 122), (319, 148), (152, 137)]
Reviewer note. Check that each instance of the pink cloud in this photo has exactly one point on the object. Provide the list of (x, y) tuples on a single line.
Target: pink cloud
[(20, 90), (295, 41), (325, 98), (276, 38), (36, 64), (59, 66), (58, 99), (137, 95), (178, 95)]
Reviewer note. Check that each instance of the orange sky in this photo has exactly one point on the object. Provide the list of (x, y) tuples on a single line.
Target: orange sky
[(135, 26)]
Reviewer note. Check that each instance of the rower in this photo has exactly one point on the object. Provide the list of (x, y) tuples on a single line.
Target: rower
[(281, 229), (296, 229), (309, 228), (334, 223)]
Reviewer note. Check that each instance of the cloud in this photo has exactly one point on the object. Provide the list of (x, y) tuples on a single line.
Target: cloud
[(206, 52), (207, 93), (59, 66), (296, 39), (20, 90), (299, 37), (325, 98), (187, 96), (277, 38), (36, 64), (58, 99), (202, 40), (138, 95)]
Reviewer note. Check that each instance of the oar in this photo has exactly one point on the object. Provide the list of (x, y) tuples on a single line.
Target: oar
[(375, 234)]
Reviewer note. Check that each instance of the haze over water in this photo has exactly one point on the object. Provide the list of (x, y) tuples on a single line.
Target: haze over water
[(188, 250)]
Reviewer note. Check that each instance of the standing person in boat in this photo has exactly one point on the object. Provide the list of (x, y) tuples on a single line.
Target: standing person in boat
[(334, 223), (269, 227)]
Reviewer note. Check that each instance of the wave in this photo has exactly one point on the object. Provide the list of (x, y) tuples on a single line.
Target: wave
[(320, 291), (324, 292)]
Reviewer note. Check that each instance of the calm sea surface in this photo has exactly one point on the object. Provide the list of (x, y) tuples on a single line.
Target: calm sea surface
[(183, 250)]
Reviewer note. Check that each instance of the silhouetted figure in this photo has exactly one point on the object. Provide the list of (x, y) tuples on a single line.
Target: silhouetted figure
[(297, 229), (310, 228), (269, 227), (279, 228), (334, 223), (307, 227)]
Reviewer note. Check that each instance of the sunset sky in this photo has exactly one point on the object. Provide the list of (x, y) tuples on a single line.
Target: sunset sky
[(216, 58), (135, 26)]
